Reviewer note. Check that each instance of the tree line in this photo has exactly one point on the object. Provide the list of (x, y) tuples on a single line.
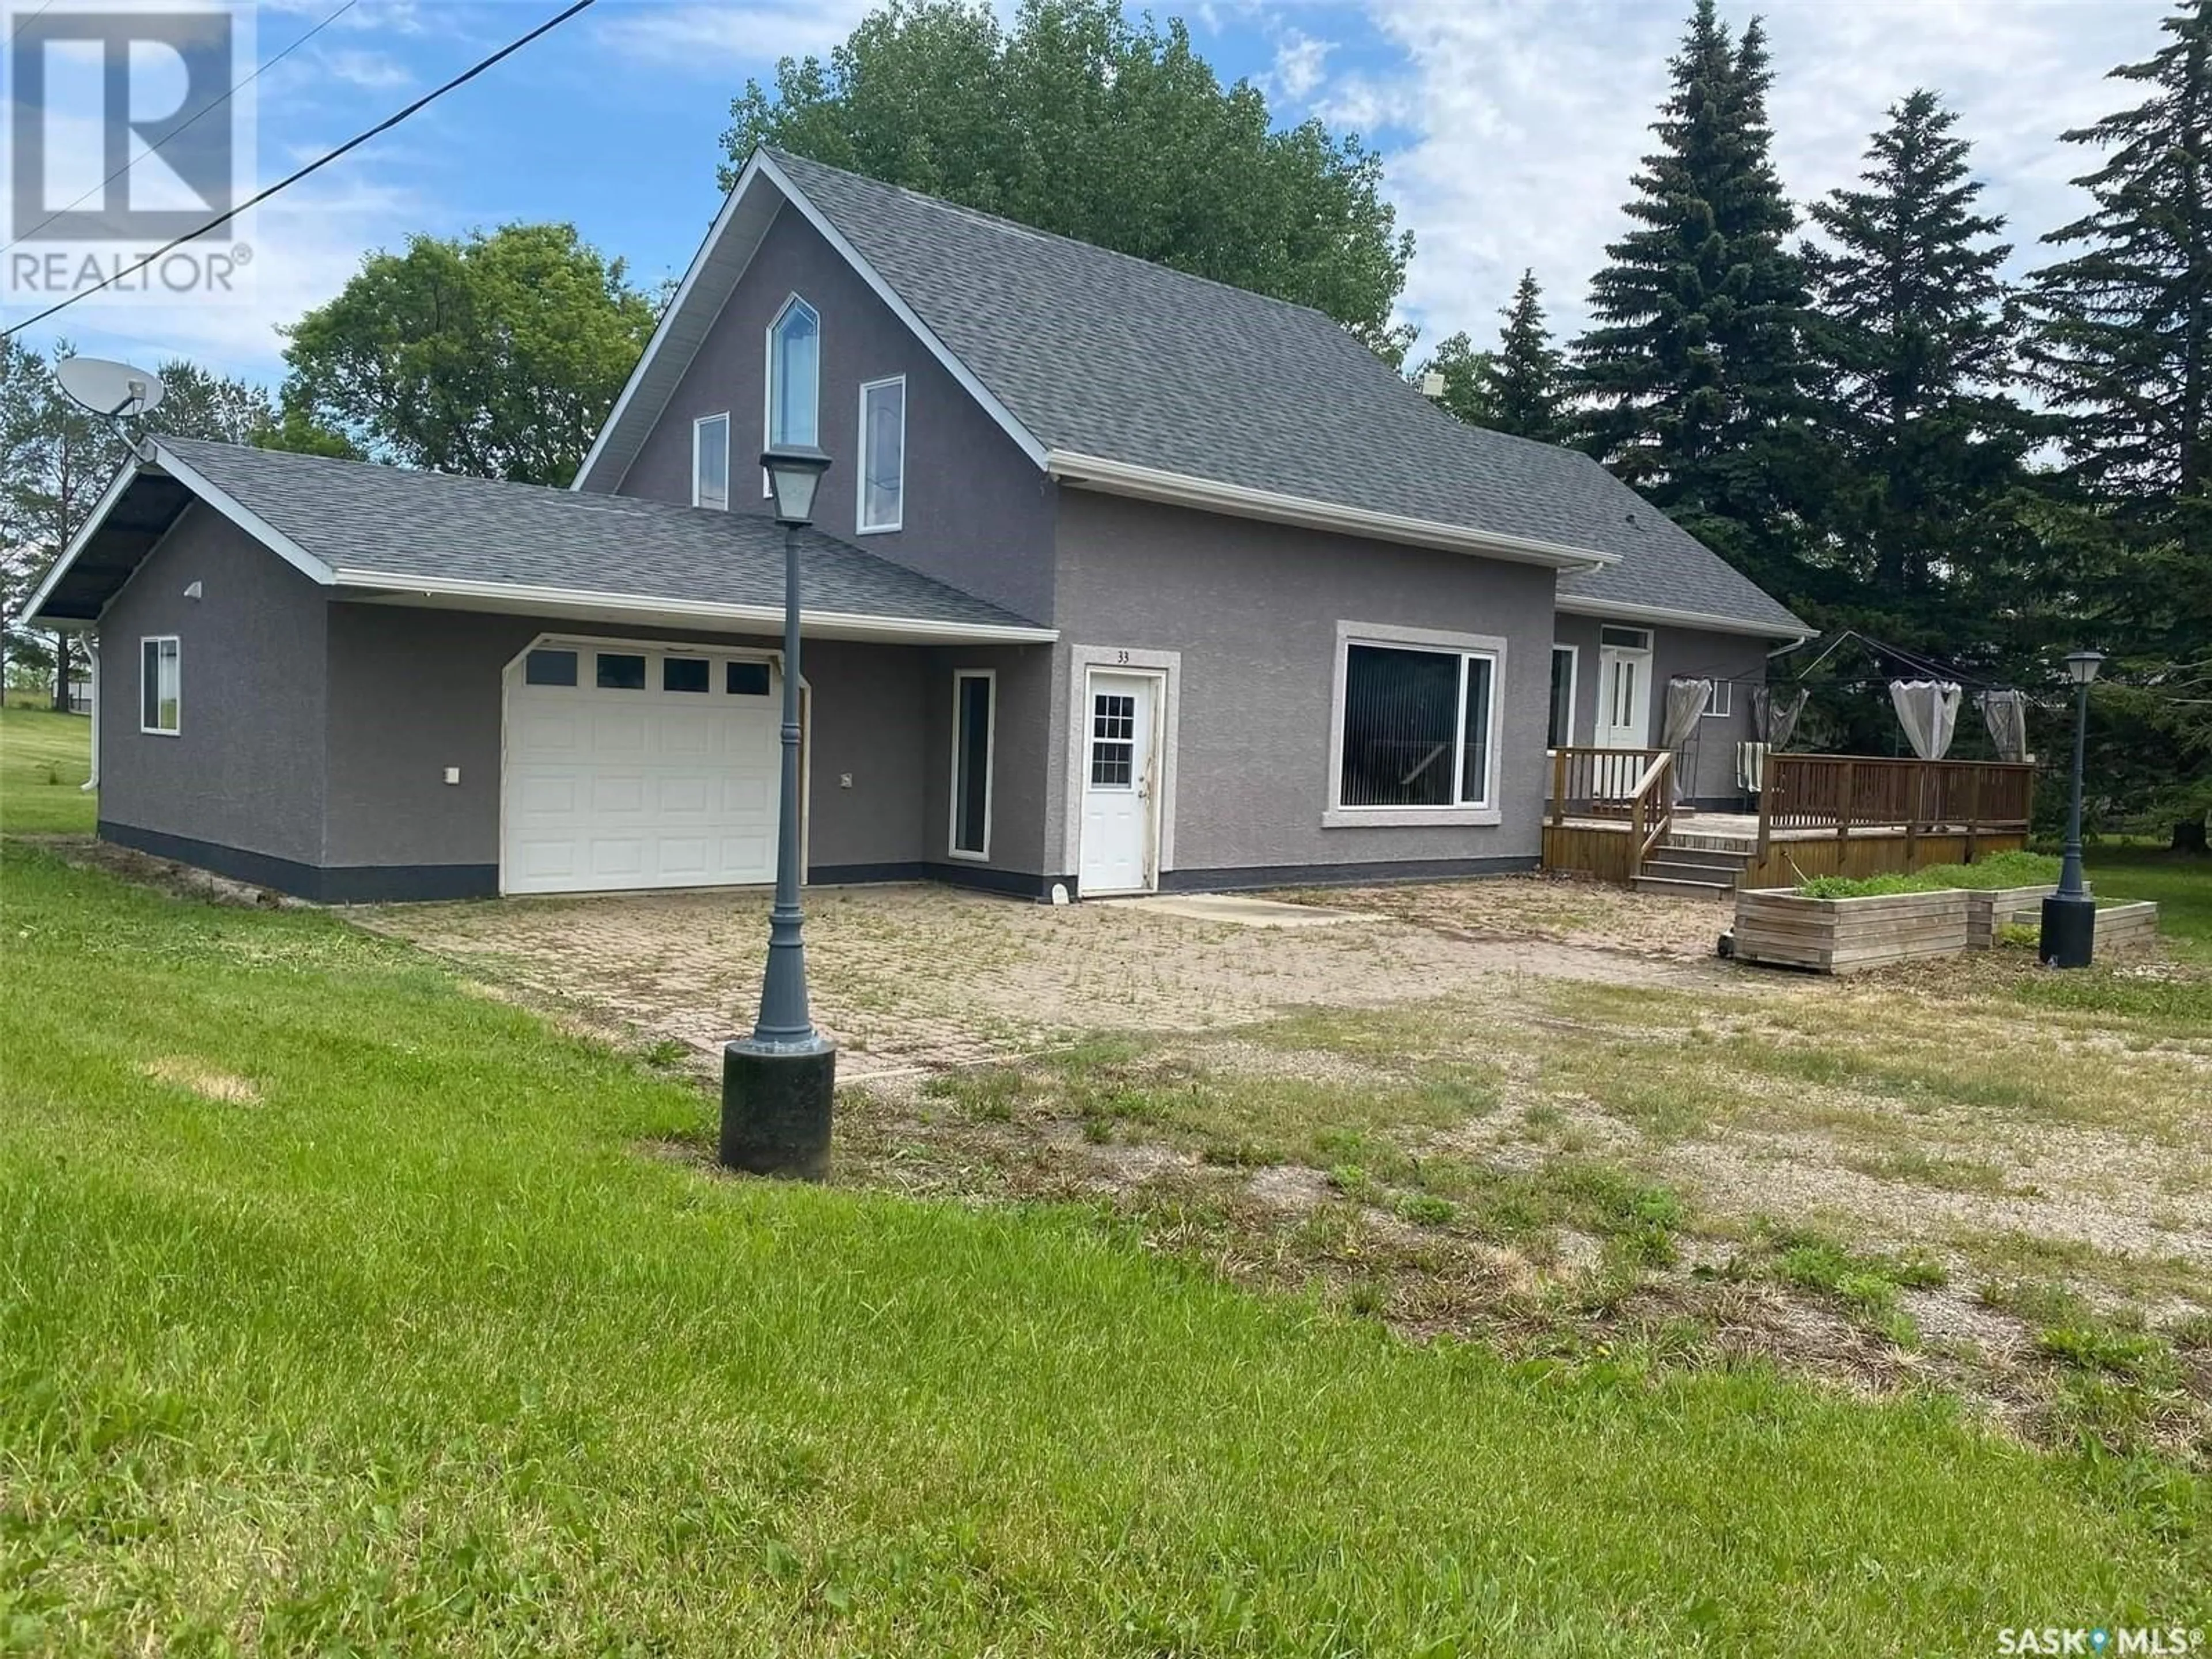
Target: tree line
[(1851, 403), (1870, 421)]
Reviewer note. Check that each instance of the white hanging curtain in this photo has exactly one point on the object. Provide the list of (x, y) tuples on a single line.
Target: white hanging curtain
[(1928, 712), (2005, 713), (1687, 702)]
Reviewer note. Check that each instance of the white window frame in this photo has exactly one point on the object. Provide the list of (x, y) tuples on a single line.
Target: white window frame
[(861, 525), (1720, 704), (177, 656), (1487, 811), (1642, 637), (953, 847), (1574, 689), (767, 377), (698, 438)]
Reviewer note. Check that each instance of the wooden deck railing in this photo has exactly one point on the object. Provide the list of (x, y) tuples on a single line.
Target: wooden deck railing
[(1844, 793), (1600, 783)]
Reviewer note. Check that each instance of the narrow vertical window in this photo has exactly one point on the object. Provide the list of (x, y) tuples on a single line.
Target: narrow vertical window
[(883, 454), (1560, 732), (973, 718), (710, 461), (160, 693), (794, 375)]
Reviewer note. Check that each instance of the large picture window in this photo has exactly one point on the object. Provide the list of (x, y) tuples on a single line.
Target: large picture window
[(972, 719), (883, 455), (160, 686), (1416, 728)]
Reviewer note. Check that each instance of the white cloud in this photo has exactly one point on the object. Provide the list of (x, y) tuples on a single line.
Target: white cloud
[(1299, 60), (1528, 121), (700, 37), (372, 72)]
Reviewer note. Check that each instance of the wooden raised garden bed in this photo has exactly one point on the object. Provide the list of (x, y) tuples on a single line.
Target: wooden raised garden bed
[(1782, 927), (1989, 911)]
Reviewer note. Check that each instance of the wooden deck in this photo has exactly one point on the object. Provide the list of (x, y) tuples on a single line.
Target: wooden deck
[(1820, 815)]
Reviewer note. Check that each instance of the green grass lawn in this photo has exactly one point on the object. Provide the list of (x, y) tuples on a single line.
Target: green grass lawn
[(343, 1310), (2181, 882), (44, 758)]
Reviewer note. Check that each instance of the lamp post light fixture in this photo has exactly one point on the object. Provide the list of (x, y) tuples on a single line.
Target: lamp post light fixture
[(777, 1084), (2069, 915)]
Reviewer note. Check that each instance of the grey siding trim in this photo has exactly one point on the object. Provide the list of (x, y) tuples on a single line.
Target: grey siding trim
[(1341, 875), (351, 884), (246, 767), (414, 691), (977, 512), (1253, 611)]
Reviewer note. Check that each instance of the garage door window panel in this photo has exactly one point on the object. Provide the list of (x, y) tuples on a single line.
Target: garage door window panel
[(618, 672)]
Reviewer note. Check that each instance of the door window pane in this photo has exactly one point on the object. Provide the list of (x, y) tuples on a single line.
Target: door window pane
[(746, 679), (619, 672), (1113, 741), (883, 460), (1474, 743), (1401, 712), (683, 673), (549, 668), (971, 765)]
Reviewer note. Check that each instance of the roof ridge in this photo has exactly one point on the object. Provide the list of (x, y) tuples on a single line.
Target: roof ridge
[(1004, 221)]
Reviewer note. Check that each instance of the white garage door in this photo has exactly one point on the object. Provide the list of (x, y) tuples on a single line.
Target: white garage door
[(630, 767)]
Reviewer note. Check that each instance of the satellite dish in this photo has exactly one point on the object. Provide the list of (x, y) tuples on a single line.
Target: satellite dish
[(110, 389)]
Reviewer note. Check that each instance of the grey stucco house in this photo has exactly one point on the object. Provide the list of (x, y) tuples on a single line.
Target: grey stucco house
[(1122, 579)]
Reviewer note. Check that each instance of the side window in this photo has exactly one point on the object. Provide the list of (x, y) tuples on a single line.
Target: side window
[(160, 686), (972, 733), (883, 455), (710, 461)]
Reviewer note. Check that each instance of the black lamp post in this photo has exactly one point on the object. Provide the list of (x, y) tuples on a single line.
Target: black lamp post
[(2069, 915), (777, 1084)]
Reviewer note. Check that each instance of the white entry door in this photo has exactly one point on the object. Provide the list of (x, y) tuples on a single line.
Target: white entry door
[(1624, 716), (629, 766), (1119, 796)]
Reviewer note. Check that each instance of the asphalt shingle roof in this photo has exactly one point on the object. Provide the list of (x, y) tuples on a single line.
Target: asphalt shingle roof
[(1103, 354), (356, 516)]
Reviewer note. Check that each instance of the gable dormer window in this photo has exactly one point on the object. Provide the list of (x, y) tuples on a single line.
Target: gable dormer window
[(794, 375)]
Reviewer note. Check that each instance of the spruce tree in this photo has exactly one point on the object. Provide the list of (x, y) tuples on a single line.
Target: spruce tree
[(2122, 347), (1911, 349), (1692, 376), (1519, 388)]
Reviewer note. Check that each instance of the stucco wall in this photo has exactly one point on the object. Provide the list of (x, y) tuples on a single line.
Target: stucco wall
[(246, 769), (414, 691), (978, 513), (1017, 761), (1710, 758), (1252, 609)]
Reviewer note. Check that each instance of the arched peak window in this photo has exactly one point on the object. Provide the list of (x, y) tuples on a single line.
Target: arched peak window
[(794, 374)]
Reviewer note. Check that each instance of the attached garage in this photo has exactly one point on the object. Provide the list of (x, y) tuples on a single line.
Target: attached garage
[(631, 765)]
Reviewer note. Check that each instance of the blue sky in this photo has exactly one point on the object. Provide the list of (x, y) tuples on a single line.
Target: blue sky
[(1510, 127)]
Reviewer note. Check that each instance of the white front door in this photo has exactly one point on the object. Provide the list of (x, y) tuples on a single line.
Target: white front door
[(638, 766), (1624, 715), (1119, 791)]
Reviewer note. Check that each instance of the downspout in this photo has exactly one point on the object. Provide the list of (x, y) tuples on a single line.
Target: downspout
[(92, 651)]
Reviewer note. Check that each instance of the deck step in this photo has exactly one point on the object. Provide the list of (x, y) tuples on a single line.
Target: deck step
[(1709, 857), (1667, 867), (1681, 888)]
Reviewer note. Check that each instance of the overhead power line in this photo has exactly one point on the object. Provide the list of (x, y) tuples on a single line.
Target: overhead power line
[(206, 109), (315, 165)]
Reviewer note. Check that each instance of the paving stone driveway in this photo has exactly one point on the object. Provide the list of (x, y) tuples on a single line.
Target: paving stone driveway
[(925, 976)]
